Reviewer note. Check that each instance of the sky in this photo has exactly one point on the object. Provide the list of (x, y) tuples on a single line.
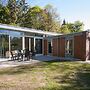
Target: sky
[(70, 10)]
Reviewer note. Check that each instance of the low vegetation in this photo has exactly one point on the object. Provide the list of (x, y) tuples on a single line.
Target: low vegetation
[(46, 76)]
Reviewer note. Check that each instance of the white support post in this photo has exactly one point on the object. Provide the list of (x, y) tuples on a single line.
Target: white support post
[(23, 45), (9, 45), (29, 44), (34, 43)]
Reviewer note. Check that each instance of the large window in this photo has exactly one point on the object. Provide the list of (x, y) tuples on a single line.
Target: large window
[(69, 48), (16, 43), (49, 46), (4, 45)]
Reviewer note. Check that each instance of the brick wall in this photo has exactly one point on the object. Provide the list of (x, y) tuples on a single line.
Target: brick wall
[(55, 47), (80, 46), (61, 47), (45, 47)]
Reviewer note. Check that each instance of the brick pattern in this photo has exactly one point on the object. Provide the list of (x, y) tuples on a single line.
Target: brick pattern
[(80, 46), (61, 47), (55, 47), (45, 47)]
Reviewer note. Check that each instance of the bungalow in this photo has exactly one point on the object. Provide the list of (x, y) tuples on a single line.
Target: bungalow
[(20, 38), (76, 45)]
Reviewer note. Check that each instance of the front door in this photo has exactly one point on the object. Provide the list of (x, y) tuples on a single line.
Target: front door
[(69, 47)]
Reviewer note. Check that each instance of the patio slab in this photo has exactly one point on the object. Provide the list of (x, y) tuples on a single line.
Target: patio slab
[(6, 63), (49, 58)]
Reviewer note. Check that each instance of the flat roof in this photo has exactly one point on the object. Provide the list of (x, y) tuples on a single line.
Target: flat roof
[(30, 30)]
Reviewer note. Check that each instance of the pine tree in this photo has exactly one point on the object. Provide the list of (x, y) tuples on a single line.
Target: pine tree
[(13, 11)]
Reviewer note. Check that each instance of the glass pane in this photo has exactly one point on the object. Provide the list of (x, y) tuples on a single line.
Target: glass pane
[(71, 44), (16, 43), (38, 46), (4, 45), (69, 47), (49, 47)]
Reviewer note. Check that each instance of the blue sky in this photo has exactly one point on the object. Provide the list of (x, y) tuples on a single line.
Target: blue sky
[(71, 10)]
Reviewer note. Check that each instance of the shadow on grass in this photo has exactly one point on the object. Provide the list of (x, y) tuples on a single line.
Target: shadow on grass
[(31, 67), (68, 75), (52, 65), (78, 80), (25, 68), (21, 69)]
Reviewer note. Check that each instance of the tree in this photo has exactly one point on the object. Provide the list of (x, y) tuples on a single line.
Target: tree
[(44, 19), (13, 11), (22, 8), (32, 18), (53, 22), (77, 26), (64, 29), (4, 15)]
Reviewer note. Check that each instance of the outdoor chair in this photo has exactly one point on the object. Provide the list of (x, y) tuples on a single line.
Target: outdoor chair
[(20, 55), (13, 56), (27, 54), (16, 55), (33, 54)]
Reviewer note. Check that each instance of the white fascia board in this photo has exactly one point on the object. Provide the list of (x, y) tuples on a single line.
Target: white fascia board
[(22, 29)]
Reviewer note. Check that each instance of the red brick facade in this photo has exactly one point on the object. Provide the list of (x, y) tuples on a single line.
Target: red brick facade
[(61, 47), (55, 47), (80, 46), (45, 47)]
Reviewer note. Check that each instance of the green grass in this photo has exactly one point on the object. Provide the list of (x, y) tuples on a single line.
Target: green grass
[(46, 76)]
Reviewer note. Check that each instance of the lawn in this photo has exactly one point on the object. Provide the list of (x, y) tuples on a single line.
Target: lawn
[(46, 76)]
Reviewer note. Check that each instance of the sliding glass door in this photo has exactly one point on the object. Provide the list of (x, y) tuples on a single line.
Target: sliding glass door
[(4, 45)]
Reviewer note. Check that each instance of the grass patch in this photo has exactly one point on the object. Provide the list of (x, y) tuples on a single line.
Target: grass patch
[(46, 76)]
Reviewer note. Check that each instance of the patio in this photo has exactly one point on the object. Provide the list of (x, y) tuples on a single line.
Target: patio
[(39, 58)]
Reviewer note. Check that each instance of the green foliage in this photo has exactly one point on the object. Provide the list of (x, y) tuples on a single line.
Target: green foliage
[(17, 12), (77, 26), (44, 19), (13, 10), (22, 8), (64, 29), (53, 21), (4, 15), (32, 18)]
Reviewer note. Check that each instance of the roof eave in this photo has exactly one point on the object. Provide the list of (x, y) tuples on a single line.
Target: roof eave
[(23, 29)]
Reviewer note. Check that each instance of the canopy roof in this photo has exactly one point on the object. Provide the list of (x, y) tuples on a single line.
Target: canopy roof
[(30, 30)]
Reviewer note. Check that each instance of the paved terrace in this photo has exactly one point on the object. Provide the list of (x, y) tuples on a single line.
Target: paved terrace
[(8, 63)]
